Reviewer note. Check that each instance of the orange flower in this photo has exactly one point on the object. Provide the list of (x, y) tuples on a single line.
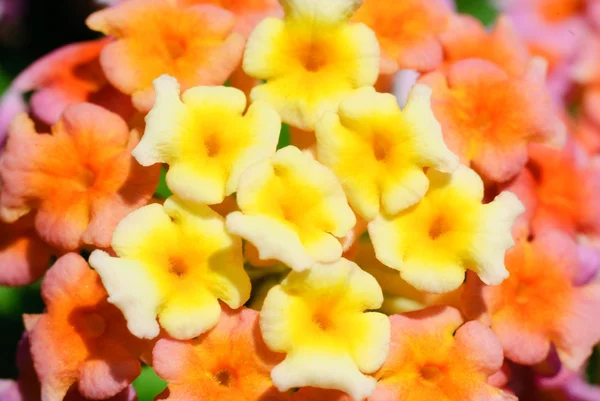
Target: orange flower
[(154, 37), (247, 13), (230, 362), (407, 31), (67, 76), (567, 189), (435, 356), (80, 180), (81, 338), (23, 256), (489, 118), (540, 303), (467, 38)]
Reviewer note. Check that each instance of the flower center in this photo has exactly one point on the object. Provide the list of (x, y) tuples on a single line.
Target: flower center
[(212, 145), (439, 227), (86, 178), (431, 372), (178, 267), (176, 46), (323, 320), (313, 56), (223, 378), (381, 148), (88, 323)]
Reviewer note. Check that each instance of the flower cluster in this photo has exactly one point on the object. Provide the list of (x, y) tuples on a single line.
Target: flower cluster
[(431, 231)]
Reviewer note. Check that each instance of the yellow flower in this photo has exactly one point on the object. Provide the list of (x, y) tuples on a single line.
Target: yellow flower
[(312, 59), (393, 147), (205, 139), (317, 318), (434, 242), (175, 261), (292, 210)]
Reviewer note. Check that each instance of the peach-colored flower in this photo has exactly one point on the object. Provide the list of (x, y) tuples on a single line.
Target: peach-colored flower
[(27, 387), (540, 304), (467, 38), (24, 257), (489, 118), (567, 187), (435, 356), (81, 338), (247, 13), (407, 31), (80, 180), (196, 45), (229, 362), (67, 76)]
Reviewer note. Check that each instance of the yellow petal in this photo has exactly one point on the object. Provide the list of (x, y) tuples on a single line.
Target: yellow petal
[(292, 210), (206, 156), (393, 145)]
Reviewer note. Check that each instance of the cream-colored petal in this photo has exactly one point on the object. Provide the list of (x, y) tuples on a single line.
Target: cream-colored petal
[(494, 237), (427, 131), (161, 133), (132, 290), (272, 239), (324, 371), (265, 126)]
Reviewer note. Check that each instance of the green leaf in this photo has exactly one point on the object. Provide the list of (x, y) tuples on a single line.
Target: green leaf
[(148, 385), (284, 136), (4, 81), (163, 191), (482, 9)]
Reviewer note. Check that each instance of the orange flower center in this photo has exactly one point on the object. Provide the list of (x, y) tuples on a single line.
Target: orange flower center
[(439, 226), (224, 378), (381, 147), (313, 55), (212, 145), (431, 372), (178, 266), (88, 322)]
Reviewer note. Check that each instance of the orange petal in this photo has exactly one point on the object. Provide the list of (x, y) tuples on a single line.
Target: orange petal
[(80, 180)]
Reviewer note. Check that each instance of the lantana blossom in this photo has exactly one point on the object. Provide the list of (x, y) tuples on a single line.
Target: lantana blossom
[(229, 362), (467, 38), (66, 76), (248, 13), (393, 145), (318, 319), (449, 231), (311, 59), (408, 31), (79, 180), (174, 262), (488, 118), (292, 208), (540, 304), (196, 45), (191, 137), (82, 339)]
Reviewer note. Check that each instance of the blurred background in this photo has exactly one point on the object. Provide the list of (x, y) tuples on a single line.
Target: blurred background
[(28, 30)]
